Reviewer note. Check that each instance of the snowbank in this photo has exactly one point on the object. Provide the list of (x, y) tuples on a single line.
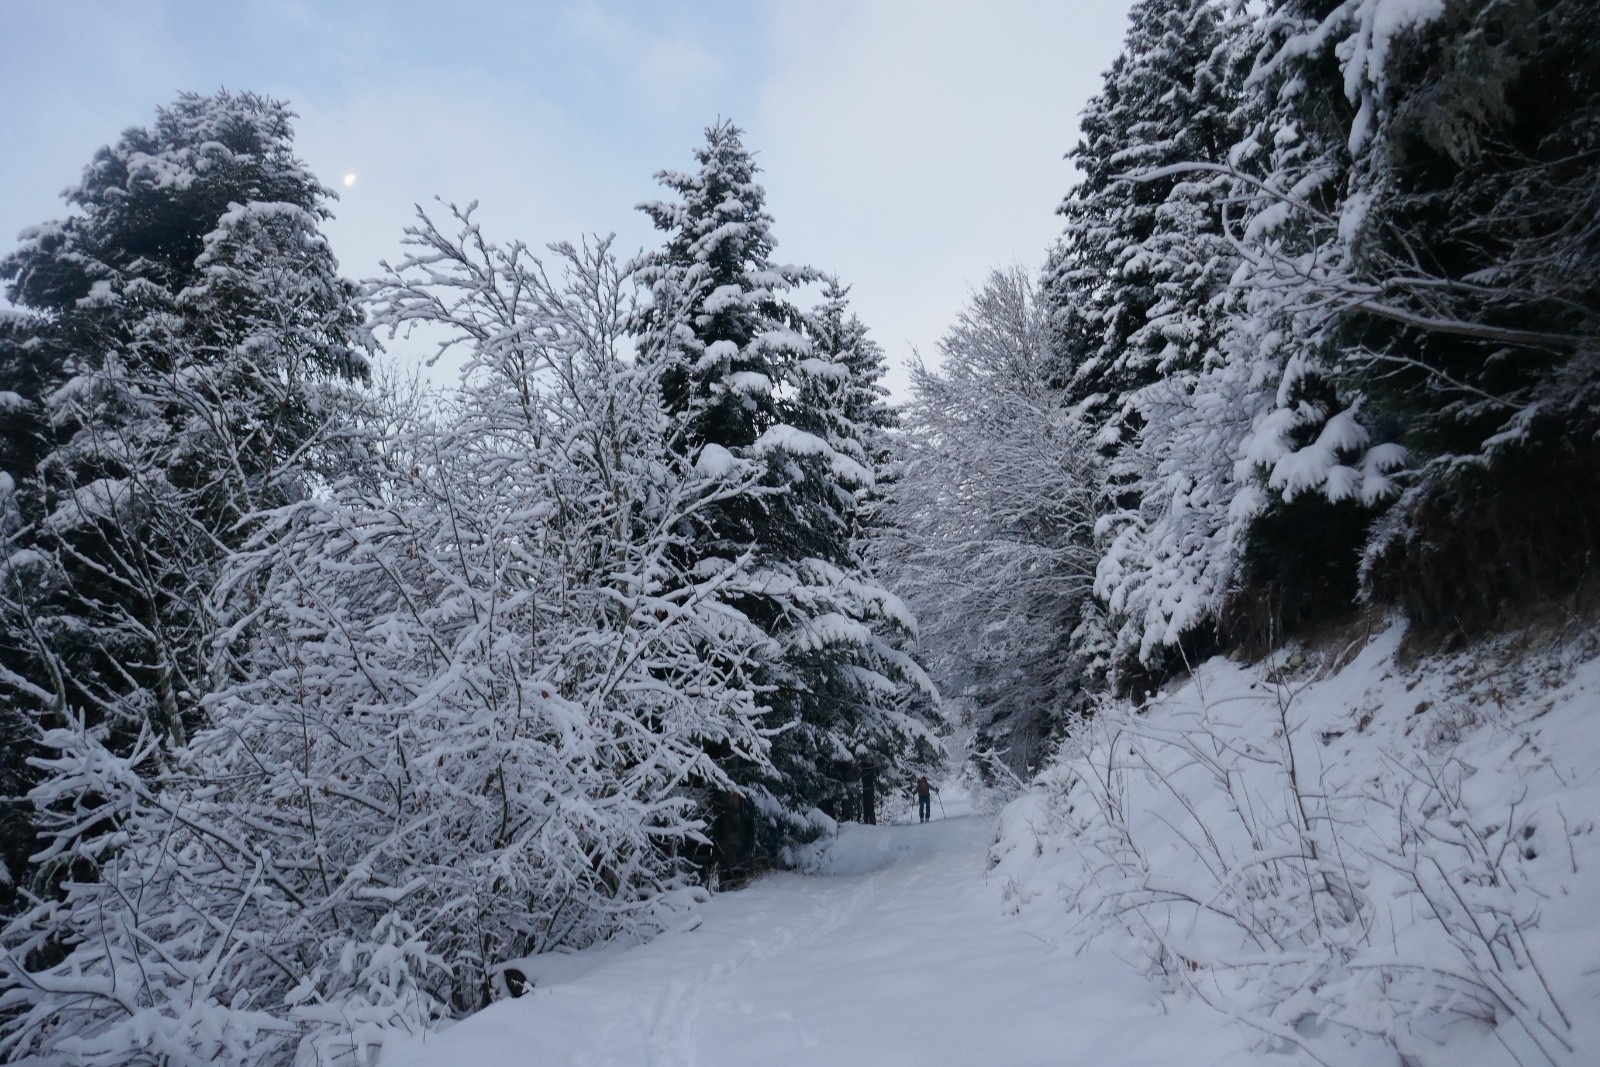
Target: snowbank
[(1355, 856)]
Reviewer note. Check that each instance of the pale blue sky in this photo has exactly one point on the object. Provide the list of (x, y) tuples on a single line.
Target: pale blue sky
[(908, 145)]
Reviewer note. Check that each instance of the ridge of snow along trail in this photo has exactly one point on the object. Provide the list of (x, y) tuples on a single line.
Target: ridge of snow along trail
[(892, 948), (1373, 857)]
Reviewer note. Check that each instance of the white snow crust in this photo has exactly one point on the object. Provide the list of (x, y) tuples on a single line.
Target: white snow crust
[(716, 461)]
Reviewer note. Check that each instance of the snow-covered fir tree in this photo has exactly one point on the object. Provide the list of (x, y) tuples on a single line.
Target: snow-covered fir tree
[(838, 395), (844, 387), (175, 369), (1449, 289), (1293, 515), (1215, 396), (1405, 310), (1135, 288), (747, 390), (1132, 283)]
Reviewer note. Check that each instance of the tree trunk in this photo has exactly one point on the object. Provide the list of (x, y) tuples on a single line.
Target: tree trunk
[(869, 805)]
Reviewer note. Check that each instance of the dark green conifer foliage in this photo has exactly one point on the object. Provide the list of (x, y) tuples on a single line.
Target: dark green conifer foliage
[(1484, 228), (716, 260), (1131, 283), (748, 384), (1444, 189), (168, 375)]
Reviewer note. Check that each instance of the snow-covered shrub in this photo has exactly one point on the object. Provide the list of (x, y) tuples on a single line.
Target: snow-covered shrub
[(469, 713)]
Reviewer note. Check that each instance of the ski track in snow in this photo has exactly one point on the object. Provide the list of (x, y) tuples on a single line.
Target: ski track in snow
[(895, 952)]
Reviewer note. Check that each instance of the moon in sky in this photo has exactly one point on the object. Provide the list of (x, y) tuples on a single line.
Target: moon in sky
[(349, 180)]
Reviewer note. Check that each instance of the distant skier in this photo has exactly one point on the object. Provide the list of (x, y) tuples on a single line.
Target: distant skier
[(924, 798)]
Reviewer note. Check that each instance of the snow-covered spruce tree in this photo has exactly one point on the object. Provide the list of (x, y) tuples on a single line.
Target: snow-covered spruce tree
[(473, 716), (1468, 303), (1420, 276), (174, 369), (747, 391), (839, 396), (1132, 283), (1137, 288), (22, 441), (1305, 486), (1251, 485), (992, 526), (844, 385)]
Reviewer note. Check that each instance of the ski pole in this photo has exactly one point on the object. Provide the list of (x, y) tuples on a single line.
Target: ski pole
[(941, 802)]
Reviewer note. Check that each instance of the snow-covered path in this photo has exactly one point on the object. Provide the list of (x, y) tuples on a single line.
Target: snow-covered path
[(897, 954)]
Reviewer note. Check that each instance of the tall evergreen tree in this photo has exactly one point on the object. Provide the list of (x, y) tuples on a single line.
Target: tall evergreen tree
[(1462, 288), (746, 388), (845, 381), (1406, 337), (1136, 288), (173, 371), (1132, 284), (838, 395)]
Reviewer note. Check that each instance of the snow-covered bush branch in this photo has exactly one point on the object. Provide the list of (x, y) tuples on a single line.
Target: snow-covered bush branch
[(1282, 842), (471, 717)]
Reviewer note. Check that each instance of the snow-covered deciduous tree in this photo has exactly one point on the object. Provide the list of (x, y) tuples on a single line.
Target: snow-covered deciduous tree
[(992, 525), (178, 365), (747, 390), (477, 692)]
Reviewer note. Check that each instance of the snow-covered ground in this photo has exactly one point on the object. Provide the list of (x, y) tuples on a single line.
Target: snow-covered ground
[(894, 949), (1372, 858), (1341, 856)]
